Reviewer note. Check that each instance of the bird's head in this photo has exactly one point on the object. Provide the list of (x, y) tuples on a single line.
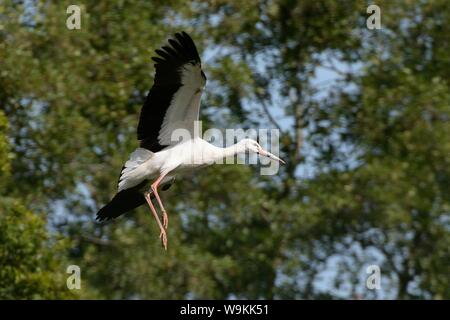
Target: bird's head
[(254, 147)]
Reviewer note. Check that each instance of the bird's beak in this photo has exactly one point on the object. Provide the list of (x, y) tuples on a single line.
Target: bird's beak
[(265, 153)]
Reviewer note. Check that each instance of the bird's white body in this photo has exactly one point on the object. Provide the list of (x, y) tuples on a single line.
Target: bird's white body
[(173, 160)]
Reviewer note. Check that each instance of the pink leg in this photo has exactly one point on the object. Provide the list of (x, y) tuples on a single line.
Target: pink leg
[(162, 235), (154, 188)]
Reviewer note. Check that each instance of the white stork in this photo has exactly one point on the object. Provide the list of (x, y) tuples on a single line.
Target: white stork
[(172, 103)]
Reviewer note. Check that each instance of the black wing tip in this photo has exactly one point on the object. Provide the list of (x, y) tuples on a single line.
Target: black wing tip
[(106, 213), (122, 202), (102, 216), (183, 34), (185, 50)]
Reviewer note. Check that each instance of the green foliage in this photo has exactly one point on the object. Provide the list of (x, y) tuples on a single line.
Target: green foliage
[(31, 264), (375, 141), (5, 153)]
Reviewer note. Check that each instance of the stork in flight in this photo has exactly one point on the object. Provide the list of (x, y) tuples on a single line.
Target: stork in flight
[(172, 103)]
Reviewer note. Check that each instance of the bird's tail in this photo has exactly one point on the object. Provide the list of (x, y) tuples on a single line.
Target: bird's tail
[(131, 172), (122, 202)]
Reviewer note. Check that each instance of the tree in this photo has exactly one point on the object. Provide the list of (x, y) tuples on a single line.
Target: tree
[(32, 264)]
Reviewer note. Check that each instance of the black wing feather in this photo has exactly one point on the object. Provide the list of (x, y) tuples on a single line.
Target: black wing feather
[(122, 202), (126, 200)]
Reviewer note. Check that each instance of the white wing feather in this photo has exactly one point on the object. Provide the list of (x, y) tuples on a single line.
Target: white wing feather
[(185, 106)]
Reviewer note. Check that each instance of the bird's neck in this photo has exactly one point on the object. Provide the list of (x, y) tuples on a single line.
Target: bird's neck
[(218, 153), (232, 150)]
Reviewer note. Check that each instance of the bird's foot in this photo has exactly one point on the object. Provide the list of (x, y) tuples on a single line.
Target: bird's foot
[(165, 219), (163, 237)]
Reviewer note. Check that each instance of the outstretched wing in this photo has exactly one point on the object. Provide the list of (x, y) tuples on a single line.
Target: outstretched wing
[(174, 100)]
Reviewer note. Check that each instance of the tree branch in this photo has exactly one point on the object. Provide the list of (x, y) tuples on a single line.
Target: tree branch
[(267, 112)]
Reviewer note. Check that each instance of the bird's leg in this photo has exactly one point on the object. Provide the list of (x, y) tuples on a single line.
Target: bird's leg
[(162, 235), (154, 188)]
